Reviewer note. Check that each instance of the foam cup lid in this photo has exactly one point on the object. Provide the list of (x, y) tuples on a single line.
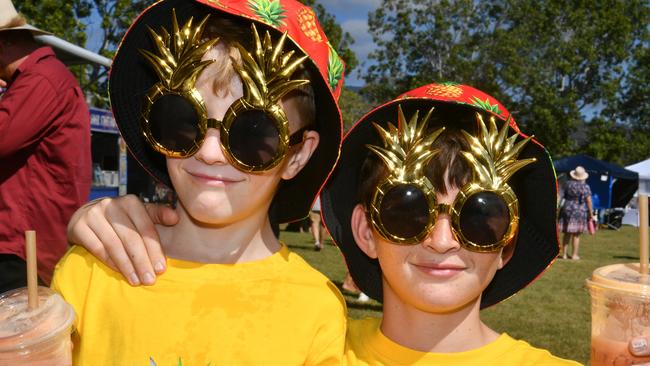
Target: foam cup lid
[(621, 277), (21, 327)]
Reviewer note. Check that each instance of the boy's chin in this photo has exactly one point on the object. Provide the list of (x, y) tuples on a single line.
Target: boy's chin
[(439, 299), (220, 214), (445, 305), (217, 216)]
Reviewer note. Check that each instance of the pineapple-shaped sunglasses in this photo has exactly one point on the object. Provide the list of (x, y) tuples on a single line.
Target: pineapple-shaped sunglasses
[(254, 132), (485, 212)]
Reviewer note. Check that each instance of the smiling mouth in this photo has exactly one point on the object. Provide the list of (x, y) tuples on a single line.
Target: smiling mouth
[(439, 270), (213, 180)]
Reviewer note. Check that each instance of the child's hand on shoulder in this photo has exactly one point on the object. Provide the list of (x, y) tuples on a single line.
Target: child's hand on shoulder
[(121, 233)]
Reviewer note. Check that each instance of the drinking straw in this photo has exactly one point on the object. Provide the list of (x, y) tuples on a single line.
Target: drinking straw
[(643, 233), (32, 283)]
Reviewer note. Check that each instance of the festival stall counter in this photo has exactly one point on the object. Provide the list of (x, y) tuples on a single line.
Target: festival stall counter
[(108, 155)]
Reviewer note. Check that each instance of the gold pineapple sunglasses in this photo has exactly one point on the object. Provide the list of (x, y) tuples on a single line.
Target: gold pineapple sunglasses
[(254, 132), (484, 214)]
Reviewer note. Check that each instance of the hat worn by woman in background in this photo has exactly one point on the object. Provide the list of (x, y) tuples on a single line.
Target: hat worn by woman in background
[(579, 173)]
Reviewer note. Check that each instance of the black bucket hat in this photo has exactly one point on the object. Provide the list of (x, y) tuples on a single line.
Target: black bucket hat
[(131, 77), (535, 186)]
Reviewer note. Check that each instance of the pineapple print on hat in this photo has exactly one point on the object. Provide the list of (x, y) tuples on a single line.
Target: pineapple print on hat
[(485, 104), (334, 68), (269, 11), (446, 90), (307, 21)]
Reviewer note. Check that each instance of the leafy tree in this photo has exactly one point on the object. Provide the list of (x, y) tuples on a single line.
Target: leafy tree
[(555, 64), (68, 20), (633, 107), (566, 64), (115, 18), (417, 42), (634, 99), (607, 141), (60, 18), (353, 106)]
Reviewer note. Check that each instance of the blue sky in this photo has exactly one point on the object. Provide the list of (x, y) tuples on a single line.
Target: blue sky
[(351, 14), (353, 17)]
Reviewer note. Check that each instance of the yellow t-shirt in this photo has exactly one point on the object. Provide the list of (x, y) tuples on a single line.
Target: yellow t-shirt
[(275, 311), (366, 345)]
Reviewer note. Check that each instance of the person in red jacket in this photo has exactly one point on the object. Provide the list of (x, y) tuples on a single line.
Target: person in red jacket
[(45, 161)]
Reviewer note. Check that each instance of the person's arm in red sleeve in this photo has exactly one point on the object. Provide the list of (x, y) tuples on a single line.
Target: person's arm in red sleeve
[(25, 111)]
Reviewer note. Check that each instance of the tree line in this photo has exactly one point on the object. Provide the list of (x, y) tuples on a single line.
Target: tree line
[(576, 73)]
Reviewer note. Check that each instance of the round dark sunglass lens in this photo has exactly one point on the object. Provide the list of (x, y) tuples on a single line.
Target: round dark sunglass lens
[(173, 122), (484, 218), (404, 211), (253, 138)]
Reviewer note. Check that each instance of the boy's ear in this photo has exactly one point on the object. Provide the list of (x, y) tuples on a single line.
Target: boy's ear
[(362, 231), (300, 154), (506, 254)]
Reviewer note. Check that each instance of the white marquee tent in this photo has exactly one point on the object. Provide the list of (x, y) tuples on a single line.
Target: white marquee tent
[(643, 168)]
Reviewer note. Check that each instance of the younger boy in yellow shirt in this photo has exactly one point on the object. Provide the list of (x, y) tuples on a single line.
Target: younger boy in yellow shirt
[(439, 213), (233, 104)]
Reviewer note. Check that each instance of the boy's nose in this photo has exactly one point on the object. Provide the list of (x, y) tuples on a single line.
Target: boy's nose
[(210, 151), (441, 238)]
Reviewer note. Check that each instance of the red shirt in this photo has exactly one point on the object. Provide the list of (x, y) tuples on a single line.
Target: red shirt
[(45, 161)]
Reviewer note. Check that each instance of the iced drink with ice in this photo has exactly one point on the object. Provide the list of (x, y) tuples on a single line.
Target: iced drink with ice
[(620, 310), (35, 337)]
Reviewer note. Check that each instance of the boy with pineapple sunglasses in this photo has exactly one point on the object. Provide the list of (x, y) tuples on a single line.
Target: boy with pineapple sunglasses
[(233, 104), (440, 211)]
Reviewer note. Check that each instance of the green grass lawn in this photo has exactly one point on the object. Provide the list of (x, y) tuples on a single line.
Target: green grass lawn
[(552, 313)]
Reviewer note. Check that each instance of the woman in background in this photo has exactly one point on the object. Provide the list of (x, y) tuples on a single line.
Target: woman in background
[(576, 211)]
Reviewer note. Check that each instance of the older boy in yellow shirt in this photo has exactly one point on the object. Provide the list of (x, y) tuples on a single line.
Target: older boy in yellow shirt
[(233, 104)]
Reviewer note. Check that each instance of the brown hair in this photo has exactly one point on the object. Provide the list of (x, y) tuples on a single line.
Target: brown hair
[(446, 169), (447, 163), (230, 31)]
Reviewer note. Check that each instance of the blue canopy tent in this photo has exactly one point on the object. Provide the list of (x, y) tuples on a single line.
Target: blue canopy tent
[(611, 185)]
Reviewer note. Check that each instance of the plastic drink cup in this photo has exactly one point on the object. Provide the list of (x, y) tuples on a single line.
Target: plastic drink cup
[(38, 337), (620, 310)]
